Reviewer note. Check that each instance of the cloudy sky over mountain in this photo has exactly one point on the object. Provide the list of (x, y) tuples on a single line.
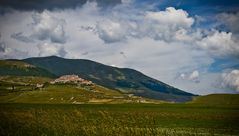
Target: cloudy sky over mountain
[(190, 44)]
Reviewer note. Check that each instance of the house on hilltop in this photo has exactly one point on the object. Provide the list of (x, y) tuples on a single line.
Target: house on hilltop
[(72, 79)]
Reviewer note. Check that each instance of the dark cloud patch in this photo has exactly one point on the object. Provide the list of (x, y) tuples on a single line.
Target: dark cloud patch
[(85, 53), (229, 21), (123, 54), (40, 5), (2, 47), (62, 52), (88, 28), (10, 53), (20, 37)]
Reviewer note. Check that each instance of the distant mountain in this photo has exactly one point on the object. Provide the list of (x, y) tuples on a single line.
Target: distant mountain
[(123, 79), (19, 68)]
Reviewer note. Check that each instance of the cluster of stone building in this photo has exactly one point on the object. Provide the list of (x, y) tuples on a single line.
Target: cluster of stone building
[(71, 79)]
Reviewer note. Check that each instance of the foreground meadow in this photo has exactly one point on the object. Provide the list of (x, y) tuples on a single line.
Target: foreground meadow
[(118, 119)]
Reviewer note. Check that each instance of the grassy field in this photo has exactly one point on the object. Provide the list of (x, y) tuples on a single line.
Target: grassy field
[(118, 119), (72, 110), (218, 99)]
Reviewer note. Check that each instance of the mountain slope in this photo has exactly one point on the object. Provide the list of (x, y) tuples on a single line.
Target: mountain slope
[(19, 68), (124, 79)]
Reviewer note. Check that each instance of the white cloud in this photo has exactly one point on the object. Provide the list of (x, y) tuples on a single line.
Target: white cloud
[(45, 26), (49, 50), (182, 76), (231, 80), (220, 44), (161, 44), (194, 76), (168, 25), (171, 17), (209, 83), (110, 31)]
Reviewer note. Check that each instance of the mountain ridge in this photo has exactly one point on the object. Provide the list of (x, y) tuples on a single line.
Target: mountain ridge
[(123, 79), (20, 68)]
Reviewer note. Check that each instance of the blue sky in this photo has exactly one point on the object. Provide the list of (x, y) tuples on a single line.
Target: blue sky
[(190, 44)]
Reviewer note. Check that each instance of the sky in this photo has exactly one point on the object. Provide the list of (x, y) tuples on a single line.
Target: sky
[(192, 45)]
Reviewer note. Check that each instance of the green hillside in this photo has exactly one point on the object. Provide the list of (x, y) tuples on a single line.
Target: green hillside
[(23, 89), (69, 94), (123, 79), (217, 99), (19, 68)]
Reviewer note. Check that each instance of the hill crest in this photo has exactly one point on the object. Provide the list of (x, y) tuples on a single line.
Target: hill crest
[(124, 79)]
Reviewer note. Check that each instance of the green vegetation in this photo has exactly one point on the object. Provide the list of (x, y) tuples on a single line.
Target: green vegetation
[(19, 68), (118, 119), (14, 89), (123, 79), (71, 94), (30, 104), (216, 99), (15, 85), (74, 109), (24, 79)]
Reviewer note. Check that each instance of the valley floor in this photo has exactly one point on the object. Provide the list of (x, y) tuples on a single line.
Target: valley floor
[(118, 119)]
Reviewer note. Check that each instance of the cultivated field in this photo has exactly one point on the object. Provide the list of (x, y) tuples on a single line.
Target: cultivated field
[(118, 119), (75, 110)]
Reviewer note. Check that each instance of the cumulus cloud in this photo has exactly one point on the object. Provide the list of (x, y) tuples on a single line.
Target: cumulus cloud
[(226, 43), (169, 25), (171, 17), (111, 31), (163, 25), (231, 80), (49, 50), (193, 76), (220, 44), (159, 43), (46, 26)]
